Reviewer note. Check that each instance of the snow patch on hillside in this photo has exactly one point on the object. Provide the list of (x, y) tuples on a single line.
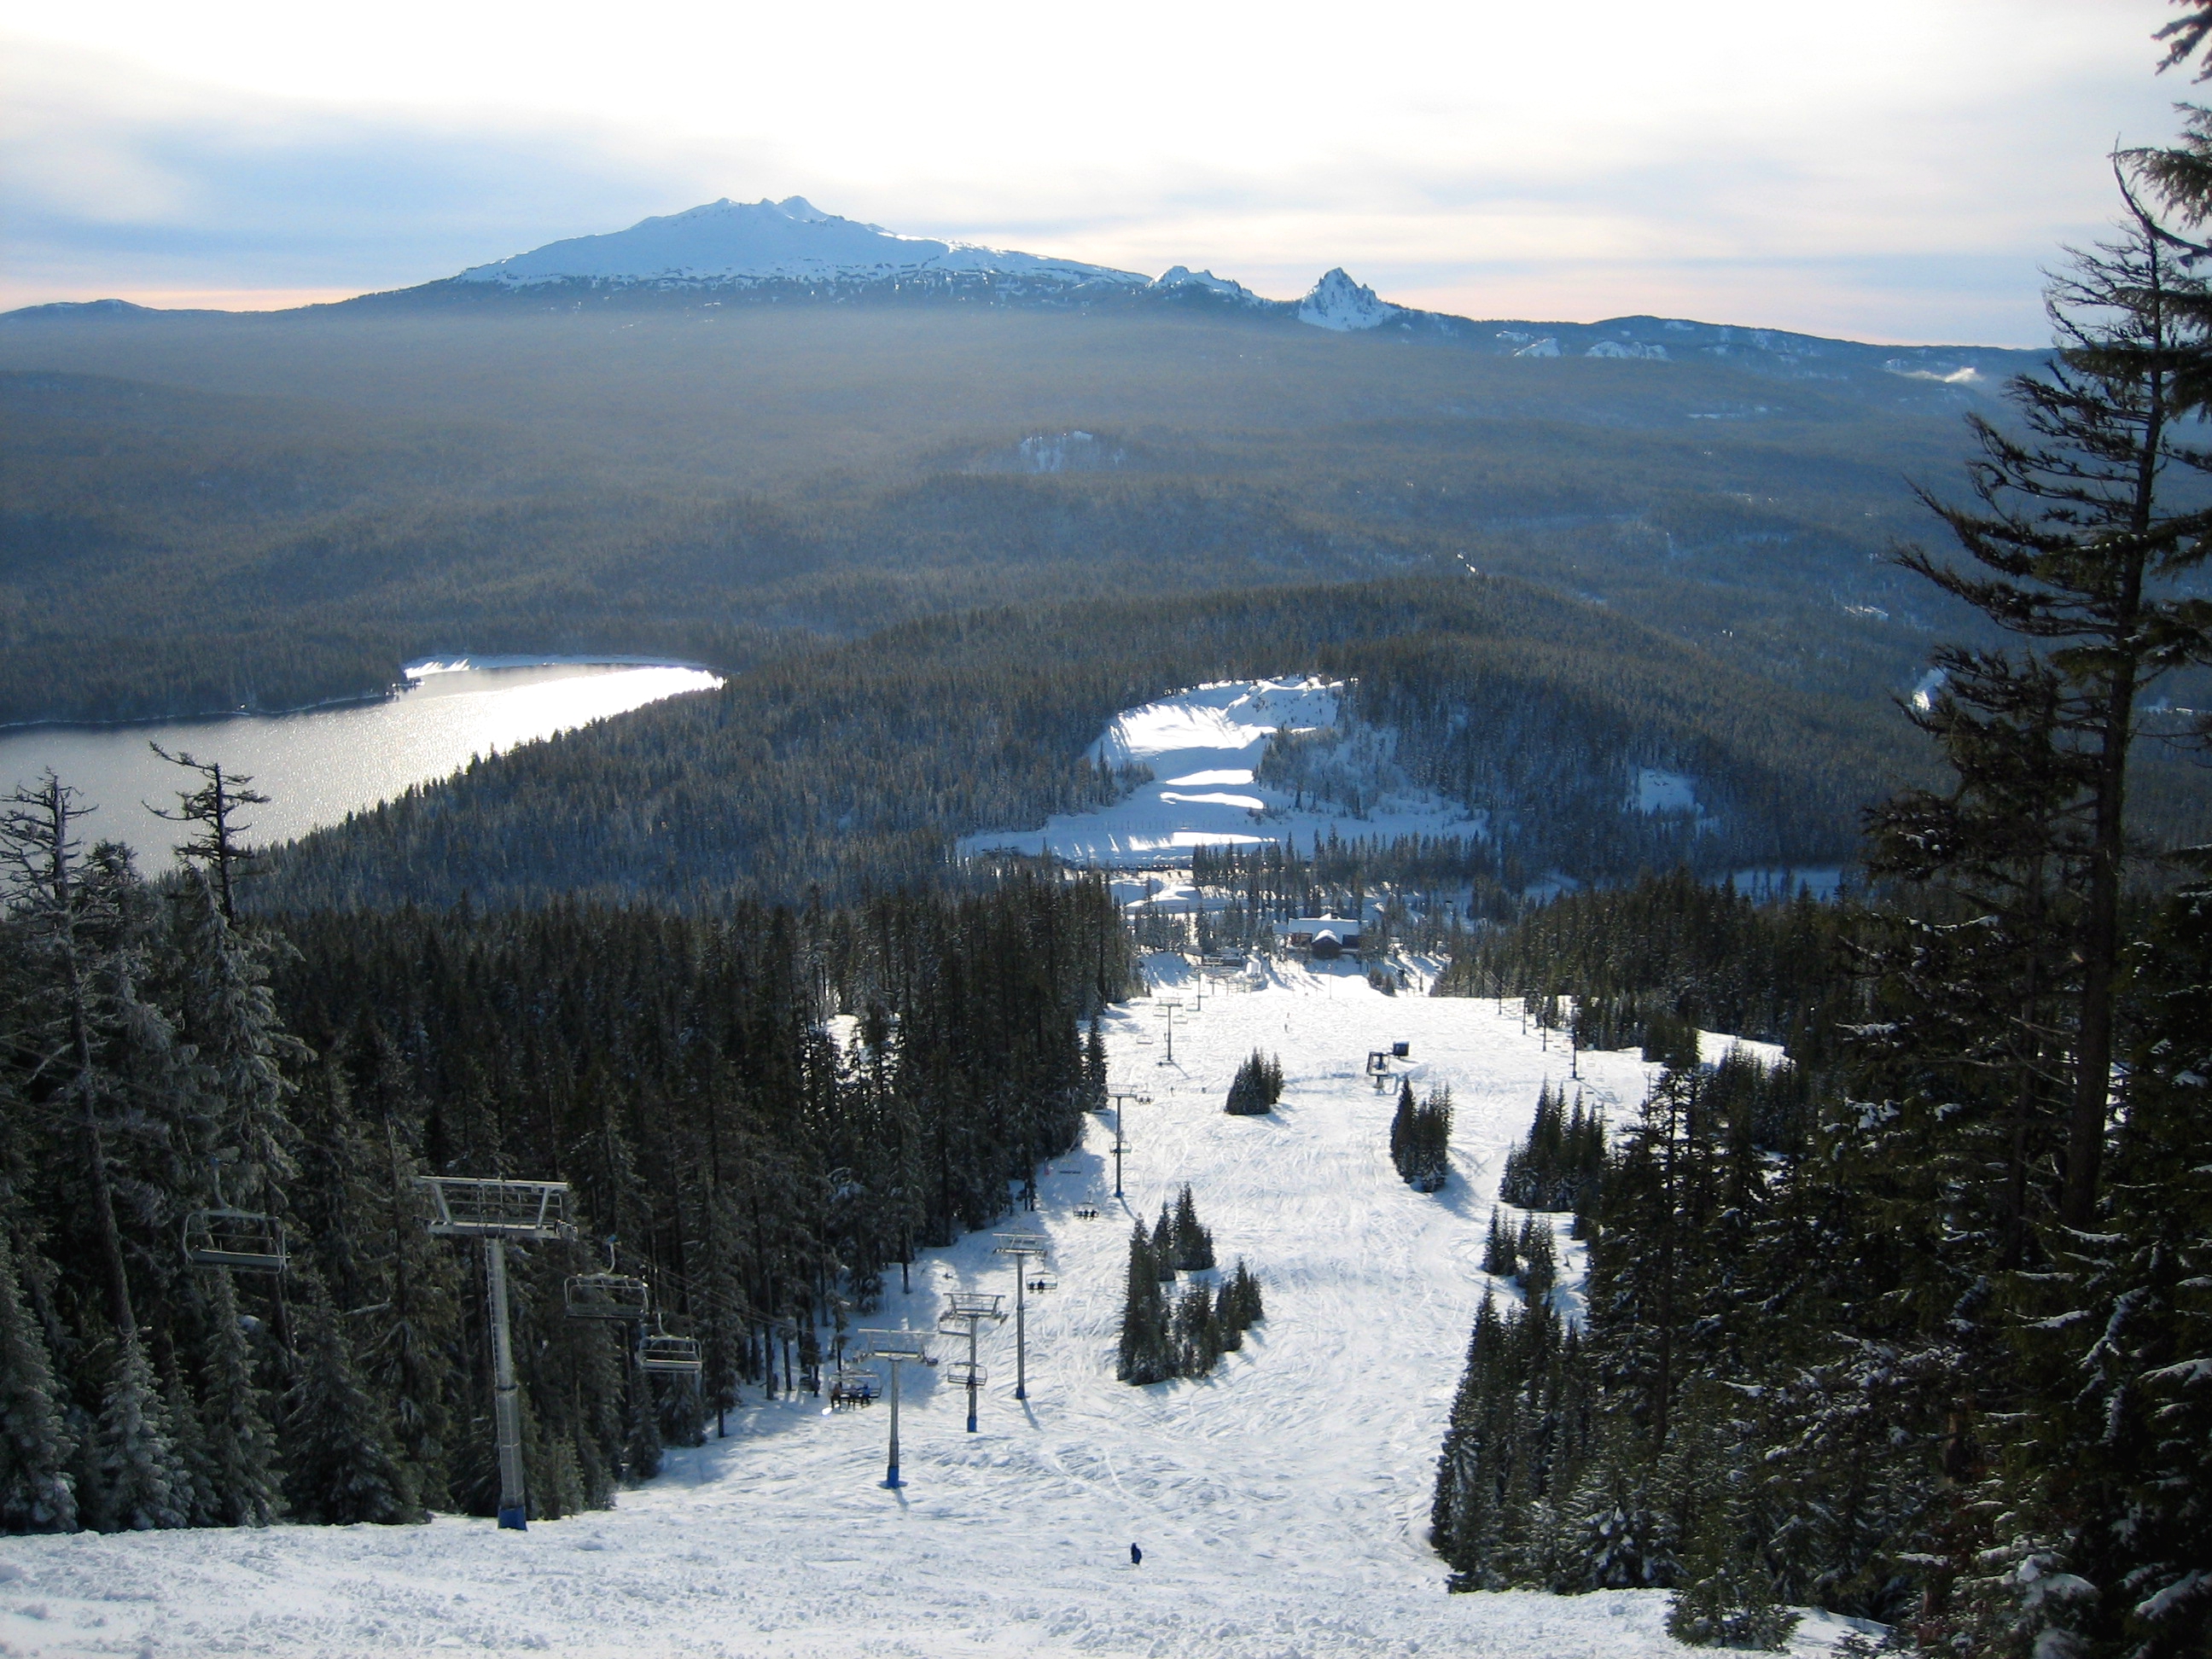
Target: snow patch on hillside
[(1657, 791), (1203, 748)]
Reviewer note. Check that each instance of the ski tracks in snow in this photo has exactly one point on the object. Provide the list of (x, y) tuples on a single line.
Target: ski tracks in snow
[(1282, 1503)]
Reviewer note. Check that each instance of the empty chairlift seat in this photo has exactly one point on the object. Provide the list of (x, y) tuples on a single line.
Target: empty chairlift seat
[(605, 1296), (659, 1351), (240, 1240)]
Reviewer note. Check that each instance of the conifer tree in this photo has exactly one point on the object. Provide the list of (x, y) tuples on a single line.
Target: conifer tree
[(144, 1485), (641, 1439), (239, 1445), (229, 1015), (1094, 1094), (1500, 1250), (1401, 1130), (1192, 1244), (1196, 1341), (1146, 1355), (37, 1493), (339, 1465)]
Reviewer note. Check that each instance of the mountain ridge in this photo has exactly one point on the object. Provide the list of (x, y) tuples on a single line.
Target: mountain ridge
[(770, 251)]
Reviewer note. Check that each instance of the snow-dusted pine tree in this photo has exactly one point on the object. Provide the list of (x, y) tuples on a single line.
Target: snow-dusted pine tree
[(143, 1482), (37, 1493), (340, 1465), (238, 1444)]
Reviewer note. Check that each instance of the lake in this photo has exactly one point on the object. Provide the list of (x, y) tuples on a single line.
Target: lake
[(319, 764)]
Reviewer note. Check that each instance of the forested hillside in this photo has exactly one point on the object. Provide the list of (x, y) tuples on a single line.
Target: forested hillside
[(855, 769), (203, 511), (159, 1061)]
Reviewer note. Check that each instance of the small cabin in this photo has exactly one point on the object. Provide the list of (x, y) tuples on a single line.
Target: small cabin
[(1321, 937)]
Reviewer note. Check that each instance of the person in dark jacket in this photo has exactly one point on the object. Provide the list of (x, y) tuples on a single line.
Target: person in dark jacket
[(1136, 1556)]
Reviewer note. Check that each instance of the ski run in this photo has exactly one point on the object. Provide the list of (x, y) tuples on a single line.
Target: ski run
[(1281, 1502)]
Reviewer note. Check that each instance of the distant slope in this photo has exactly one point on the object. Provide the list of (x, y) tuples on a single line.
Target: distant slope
[(857, 767), (202, 512), (727, 244)]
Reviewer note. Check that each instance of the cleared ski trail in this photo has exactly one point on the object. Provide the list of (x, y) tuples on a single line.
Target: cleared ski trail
[(1281, 1502)]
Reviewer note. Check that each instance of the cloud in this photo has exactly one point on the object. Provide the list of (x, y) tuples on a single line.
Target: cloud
[(118, 182), (1901, 174)]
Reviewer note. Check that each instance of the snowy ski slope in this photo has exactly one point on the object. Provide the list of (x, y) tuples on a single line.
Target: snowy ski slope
[(1280, 1503)]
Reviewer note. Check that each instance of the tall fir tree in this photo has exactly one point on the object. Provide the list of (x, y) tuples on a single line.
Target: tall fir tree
[(339, 1463), (37, 1491), (144, 1483)]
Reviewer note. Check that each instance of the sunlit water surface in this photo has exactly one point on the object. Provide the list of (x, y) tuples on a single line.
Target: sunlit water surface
[(321, 765)]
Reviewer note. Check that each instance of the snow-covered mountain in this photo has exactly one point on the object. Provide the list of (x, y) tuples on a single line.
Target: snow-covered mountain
[(1344, 306), (735, 244), (790, 249)]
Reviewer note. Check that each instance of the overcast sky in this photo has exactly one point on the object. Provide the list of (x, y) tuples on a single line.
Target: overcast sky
[(1894, 169)]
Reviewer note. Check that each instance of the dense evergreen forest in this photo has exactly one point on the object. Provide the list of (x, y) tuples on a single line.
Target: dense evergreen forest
[(760, 1115), (1917, 1330), (857, 767), (202, 513)]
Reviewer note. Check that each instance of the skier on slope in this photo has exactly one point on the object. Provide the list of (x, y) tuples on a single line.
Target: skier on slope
[(1136, 1556)]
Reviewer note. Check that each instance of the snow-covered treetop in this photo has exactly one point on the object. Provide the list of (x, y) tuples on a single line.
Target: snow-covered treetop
[(792, 239)]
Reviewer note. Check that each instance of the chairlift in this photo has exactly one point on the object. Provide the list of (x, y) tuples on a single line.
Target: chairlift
[(605, 1296), (241, 1241), (852, 1387), (1044, 1281), (960, 1374), (465, 1206), (657, 1351)]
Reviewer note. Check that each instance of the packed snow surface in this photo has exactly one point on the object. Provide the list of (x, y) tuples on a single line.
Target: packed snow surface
[(1201, 747), (1280, 1502)]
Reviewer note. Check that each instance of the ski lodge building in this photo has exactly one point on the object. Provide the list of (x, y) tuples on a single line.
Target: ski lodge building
[(1321, 937)]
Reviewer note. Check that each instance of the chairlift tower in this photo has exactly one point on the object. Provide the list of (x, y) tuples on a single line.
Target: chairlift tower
[(497, 1211), (1170, 1007), (1121, 1099), (964, 1317), (895, 1349), (1021, 1247)]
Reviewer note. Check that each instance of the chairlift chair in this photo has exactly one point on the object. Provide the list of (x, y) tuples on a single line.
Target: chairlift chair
[(960, 1375), (241, 1241), (1044, 1281), (852, 1387), (657, 1351), (605, 1296)]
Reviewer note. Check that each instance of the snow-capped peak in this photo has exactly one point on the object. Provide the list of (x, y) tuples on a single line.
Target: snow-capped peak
[(1338, 303), (740, 243), (1184, 276)]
